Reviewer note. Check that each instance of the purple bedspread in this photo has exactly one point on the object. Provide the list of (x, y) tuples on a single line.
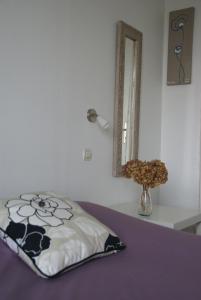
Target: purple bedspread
[(158, 264)]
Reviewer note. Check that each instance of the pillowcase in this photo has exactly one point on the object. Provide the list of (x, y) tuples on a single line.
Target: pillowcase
[(54, 234)]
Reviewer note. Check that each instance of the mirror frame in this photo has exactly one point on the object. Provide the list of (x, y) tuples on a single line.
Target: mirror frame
[(125, 31)]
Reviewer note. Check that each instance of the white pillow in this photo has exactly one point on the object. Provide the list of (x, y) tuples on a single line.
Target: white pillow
[(53, 234)]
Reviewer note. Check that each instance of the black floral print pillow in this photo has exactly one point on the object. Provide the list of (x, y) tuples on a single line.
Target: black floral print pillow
[(43, 229)]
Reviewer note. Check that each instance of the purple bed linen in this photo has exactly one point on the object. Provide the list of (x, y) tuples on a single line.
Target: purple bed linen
[(158, 264)]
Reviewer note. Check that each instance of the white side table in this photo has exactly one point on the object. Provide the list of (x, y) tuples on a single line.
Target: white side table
[(168, 216)]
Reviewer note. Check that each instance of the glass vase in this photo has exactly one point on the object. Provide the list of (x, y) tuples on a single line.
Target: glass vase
[(145, 204)]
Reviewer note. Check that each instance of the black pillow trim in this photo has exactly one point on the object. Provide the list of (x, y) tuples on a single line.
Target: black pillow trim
[(93, 256)]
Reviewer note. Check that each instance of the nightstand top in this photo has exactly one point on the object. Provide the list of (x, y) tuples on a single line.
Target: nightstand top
[(168, 216)]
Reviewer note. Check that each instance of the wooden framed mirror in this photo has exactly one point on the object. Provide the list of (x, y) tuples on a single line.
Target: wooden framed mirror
[(127, 96)]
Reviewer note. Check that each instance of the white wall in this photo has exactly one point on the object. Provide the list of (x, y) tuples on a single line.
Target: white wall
[(181, 122), (57, 59)]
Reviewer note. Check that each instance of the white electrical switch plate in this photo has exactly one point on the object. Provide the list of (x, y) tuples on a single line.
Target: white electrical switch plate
[(87, 154)]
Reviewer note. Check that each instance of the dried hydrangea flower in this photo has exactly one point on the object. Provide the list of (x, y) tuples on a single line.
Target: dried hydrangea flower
[(147, 173)]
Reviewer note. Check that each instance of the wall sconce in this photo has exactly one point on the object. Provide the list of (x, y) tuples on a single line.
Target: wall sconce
[(93, 117)]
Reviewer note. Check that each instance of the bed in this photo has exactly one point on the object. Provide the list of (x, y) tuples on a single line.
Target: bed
[(158, 264)]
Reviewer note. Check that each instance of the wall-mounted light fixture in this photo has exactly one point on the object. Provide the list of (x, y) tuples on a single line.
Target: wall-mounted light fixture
[(93, 117)]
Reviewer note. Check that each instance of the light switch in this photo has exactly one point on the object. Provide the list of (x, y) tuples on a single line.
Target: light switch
[(87, 154)]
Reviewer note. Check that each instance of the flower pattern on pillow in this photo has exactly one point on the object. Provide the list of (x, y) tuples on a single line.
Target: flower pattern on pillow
[(31, 239), (39, 209), (113, 243)]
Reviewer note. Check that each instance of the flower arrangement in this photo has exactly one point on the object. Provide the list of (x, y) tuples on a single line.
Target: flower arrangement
[(147, 173)]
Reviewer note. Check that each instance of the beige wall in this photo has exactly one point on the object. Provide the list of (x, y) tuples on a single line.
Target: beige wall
[(57, 59), (181, 123)]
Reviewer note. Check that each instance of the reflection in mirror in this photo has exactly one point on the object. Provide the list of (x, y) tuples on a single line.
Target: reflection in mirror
[(127, 96), (128, 107)]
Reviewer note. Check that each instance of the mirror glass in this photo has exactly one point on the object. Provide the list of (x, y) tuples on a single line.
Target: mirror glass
[(128, 105), (127, 96)]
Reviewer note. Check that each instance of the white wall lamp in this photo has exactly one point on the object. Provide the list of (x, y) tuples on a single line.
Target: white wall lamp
[(93, 117)]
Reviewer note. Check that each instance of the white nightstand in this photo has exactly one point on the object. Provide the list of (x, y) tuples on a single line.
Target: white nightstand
[(168, 216)]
